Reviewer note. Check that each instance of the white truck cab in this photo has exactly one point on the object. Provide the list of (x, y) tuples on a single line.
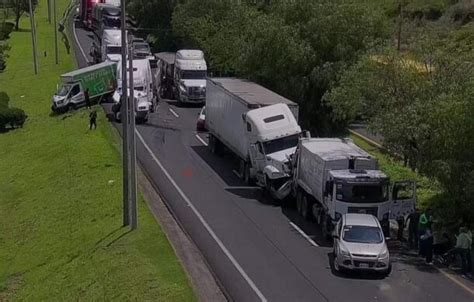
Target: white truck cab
[(111, 45), (273, 135), (190, 72)]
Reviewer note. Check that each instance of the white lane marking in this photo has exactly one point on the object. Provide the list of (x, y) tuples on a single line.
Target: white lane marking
[(201, 140), (303, 234), (173, 112), (204, 223), (237, 173), (77, 41)]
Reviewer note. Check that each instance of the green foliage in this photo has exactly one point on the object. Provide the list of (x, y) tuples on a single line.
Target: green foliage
[(423, 106)]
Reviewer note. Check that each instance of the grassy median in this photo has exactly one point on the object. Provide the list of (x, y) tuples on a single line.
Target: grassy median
[(60, 198)]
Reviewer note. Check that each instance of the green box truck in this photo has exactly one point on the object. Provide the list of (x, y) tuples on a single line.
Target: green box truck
[(99, 80)]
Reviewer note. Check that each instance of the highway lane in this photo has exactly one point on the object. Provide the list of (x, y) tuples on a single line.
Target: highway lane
[(251, 243)]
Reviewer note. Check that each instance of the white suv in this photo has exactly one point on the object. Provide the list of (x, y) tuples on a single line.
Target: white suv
[(359, 244)]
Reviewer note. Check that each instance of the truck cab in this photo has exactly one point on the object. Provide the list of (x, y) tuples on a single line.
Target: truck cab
[(272, 135), (368, 192), (68, 96), (190, 72), (111, 45), (143, 90)]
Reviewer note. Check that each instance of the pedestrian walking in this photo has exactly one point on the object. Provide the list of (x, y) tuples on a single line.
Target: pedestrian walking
[(462, 249), (412, 222), (87, 99), (93, 120)]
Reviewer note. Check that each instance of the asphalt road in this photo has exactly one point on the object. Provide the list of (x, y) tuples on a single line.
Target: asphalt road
[(257, 249)]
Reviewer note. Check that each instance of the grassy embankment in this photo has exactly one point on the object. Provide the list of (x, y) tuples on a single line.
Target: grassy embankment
[(60, 198)]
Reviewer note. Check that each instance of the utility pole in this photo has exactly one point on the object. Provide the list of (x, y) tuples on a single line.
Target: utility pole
[(399, 34), (133, 149), (56, 52), (124, 117), (49, 11), (33, 36)]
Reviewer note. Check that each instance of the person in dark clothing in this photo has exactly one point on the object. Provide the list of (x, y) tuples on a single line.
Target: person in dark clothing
[(401, 228), (93, 119), (426, 245), (412, 222), (87, 99), (424, 224)]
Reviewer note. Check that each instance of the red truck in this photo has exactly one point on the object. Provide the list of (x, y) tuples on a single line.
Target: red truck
[(85, 12)]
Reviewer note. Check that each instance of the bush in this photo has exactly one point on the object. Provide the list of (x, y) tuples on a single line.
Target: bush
[(13, 117), (4, 99)]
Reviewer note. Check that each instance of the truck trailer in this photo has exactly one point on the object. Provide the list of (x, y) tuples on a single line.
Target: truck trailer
[(259, 126), (333, 176), (100, 80)]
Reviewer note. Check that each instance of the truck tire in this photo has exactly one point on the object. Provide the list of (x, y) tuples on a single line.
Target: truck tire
[(325, 221), (306, 207)]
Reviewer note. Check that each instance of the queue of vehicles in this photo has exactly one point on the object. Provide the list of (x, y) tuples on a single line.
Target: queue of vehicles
[(330, 180)]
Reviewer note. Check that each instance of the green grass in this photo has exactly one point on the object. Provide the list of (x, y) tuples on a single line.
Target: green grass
[(427, 190), (60, 218)]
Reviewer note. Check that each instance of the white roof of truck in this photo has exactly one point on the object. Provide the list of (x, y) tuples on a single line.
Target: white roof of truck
[(112, 37), (250, 92), (334, 148), (189, 54)]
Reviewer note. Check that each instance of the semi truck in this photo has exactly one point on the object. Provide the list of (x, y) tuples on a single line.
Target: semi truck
[(99, 80), (143, 90), (333, 176), (257, 125), (105, 16), (183, 75), (85, 12), (111, 45)]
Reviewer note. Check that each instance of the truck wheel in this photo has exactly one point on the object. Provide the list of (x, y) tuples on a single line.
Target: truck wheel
[(324, 227), (247, 178), (298, 201), (306, 206)]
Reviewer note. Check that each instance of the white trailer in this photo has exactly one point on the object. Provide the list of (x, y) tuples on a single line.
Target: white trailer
[(333, 176), (258, 126)]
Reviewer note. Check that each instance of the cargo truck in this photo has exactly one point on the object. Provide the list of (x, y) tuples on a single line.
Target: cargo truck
[(85, 12), (259, 126), (100, 80), (187, 81), (333, 176)]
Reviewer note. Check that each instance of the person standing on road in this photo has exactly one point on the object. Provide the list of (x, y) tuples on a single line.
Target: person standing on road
[(426, 245), (412, 222), (424, 224), (93, 119), (87, 99), (462, 249)]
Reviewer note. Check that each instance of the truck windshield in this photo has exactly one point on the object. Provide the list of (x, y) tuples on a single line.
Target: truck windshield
[(362, 234), (280, 144), (362, 193), (193, 74), (114, 50), (63, 90), (142, 47), (111, 22)]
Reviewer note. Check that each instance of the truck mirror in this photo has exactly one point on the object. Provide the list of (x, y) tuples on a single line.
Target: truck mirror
[(307, 134)]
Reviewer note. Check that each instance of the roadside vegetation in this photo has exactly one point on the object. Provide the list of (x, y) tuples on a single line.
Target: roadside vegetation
[(404, 67), (61, 234)]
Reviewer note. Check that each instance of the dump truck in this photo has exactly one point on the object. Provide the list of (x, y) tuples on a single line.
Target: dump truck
[(333, 176), (99, 80), (257, 125)]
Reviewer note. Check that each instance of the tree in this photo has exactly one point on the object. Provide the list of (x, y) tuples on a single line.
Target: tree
[(20, 7)]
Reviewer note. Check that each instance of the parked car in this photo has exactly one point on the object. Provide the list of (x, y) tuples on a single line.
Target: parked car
[(359, 244), (201, 122)]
